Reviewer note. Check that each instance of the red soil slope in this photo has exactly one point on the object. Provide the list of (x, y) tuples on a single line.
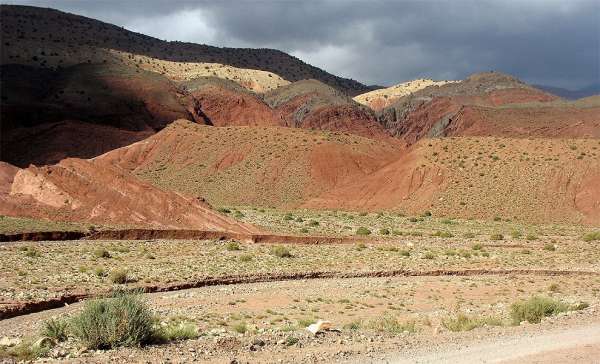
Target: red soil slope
[(85, 190), (536, 180), (272, 166), (220, 106)]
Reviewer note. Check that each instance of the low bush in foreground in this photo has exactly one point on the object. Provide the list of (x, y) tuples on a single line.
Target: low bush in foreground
[(55, 329), (121, 320), (536, 308), (463, 322)]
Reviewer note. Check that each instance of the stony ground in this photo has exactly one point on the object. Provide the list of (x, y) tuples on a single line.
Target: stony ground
[(374, 319)]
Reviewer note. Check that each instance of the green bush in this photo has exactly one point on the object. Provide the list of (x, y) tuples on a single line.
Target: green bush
[(392, 325), (463, 322), (363, 231), (121, 320), (176, 330), (55, 329), (536, 308), (442, 234), (245, 258), (101, 253), (232, 246), (591, 236), (281, 252), (119, 276), (384, 232)]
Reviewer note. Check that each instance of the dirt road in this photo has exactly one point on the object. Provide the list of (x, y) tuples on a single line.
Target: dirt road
[(574, 345)]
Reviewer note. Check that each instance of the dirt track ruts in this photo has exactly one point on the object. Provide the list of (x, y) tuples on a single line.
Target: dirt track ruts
[(8, 310)]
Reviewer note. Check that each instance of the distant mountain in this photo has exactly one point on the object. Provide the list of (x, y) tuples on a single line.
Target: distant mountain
[(590, 90)]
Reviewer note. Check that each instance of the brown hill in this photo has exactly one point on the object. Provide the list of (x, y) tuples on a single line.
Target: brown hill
[(220, 102), (310, 104), (84, 190), (434, 110), (50, 38), (381, 98), (81, 111), (251, 166), (535, 180)]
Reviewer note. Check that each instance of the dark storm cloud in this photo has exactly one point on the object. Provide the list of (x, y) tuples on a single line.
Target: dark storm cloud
[(541, 41)]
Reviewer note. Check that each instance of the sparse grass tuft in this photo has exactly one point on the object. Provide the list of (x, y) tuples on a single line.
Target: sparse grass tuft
[(591, 236), (101, 253), (119, 276), (392, 325), (232, 246), (363, 231), (463, 322), (281, 251)]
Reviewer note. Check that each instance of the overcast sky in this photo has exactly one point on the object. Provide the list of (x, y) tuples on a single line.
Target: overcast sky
[(551, 42)]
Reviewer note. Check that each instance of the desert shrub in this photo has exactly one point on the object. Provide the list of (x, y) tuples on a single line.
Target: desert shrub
[(240, 327), (361, 246), (101, 253), (27, 350), (281, 251), (121, 320), (299, 219), (426, 214), (32, 252), (549, 247), (531, 237), (463, 322), (384, 231), (176, 330), (245, 258), (469, 235), (100, 272), (313, 223), (288, 217), (290, 340), (515, 234), (413, 219), (477, 246), (118, 276), (405, 253), (429, 255), (55, 329), (496, 237), (392, 325), (536, 308), (232, 246), (442, 234), (591, 236), (224, 210), (363, 231)]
